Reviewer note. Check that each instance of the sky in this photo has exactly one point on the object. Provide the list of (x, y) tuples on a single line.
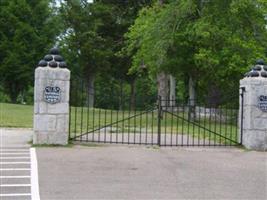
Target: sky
[(58, 1)]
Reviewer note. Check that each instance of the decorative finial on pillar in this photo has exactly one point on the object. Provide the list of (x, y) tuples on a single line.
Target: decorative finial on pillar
[(258, 70), (53, 59)]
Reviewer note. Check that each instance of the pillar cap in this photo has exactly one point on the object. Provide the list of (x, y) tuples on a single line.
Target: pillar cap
[(258, 70), (53, 60)]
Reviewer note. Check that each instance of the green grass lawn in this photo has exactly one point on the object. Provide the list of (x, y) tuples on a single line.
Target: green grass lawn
[(16, 115), (86, 120)]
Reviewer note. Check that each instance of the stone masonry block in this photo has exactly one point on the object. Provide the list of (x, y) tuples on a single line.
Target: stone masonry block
[(40, 107), (45, 122), (62, 123), (60, 139), (259, 123), (58, 108), (255, 139), (247, 121), (40, 138), (52, 73)]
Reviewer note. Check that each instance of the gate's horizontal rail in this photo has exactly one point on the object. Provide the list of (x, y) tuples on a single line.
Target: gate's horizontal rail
[(200, 126), (113, 123)]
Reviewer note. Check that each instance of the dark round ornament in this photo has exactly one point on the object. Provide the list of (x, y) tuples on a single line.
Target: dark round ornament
[(260, 62), (53, 64), (253, 74), (264, 74), (62, 65), (48, 58), (58, 58), (257, 68), (42, 63), (54, 51)]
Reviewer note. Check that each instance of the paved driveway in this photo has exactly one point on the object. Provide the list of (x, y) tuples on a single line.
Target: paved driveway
[(138, 172)]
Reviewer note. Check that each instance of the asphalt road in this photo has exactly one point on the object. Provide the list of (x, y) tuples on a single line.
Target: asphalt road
[(139, 172)]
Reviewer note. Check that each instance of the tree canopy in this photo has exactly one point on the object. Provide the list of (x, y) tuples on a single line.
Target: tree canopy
[(27, 30), (209, 42), (213, 41)]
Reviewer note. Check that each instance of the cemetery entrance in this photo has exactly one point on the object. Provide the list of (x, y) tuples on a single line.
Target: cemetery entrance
[(115, 114)]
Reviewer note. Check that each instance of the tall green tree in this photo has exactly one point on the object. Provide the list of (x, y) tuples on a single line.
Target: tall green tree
[(210, 42), (94, 36), (27, 30)]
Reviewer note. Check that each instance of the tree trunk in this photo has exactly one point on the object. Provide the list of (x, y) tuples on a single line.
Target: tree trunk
[(163, 87), (91, 90), (133, 93), (13, 97), (172, 90), (192, 99), (14, 91)]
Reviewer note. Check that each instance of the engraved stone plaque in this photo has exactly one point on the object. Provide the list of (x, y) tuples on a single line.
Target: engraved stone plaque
[(262, 102), (52, 94)]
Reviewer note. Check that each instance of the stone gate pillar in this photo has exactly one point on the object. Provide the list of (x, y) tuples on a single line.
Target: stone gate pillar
[(51, 100), (255, 107)]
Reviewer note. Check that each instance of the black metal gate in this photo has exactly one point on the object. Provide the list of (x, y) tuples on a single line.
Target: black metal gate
[(151, 120)]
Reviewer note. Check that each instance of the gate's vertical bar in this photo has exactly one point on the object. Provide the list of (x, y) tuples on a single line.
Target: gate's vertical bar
[(105, 126), (204, 131), (193, 138), (129, 121), (164, 117), (177, 122), (75, 115), (225, 126), (220, 125), (183, 119), (231, 127), (146, 126), (159, 120), (210, 119), (188, 124), (122, 109), (242, 114), (117, 114), (111, 113), (140, 135), (236, 125), (140, 120), (88, 111), (99, 124), (172, 105), (215, 125), (134, 119), (81, 125), (117, 123), (70, 102), (152, 128), (93, 137), (199, 122)]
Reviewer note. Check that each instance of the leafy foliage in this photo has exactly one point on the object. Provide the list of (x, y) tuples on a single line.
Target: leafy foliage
[(28, 30), (212, 41)]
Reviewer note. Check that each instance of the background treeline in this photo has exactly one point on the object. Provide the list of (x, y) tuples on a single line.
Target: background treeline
[(187, 49)]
